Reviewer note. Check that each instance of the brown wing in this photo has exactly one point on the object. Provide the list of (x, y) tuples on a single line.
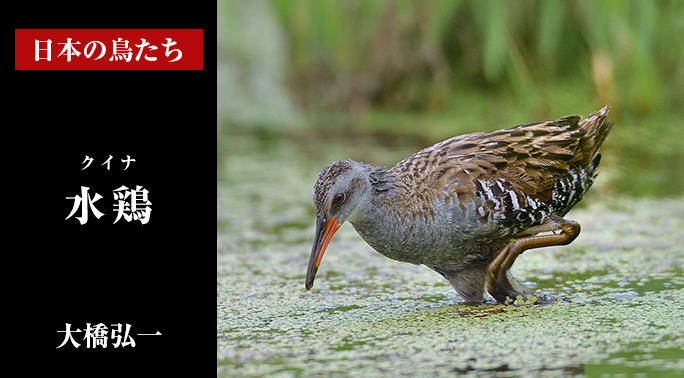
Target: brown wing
[(530, 158)]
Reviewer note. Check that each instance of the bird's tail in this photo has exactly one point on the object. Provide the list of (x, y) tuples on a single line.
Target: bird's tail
[(596, 130), (570, 189)]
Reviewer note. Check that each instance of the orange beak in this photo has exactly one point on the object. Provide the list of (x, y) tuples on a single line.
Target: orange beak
[(324, 233)]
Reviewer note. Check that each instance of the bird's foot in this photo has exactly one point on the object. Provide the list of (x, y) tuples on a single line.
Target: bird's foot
[(512, 291), (524, 297), (514, 297), (521, 299)]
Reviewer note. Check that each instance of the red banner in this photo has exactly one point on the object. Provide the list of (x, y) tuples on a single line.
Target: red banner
[(108, 49)]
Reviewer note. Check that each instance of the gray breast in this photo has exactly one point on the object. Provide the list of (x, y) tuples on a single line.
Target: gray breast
[(422, 237)]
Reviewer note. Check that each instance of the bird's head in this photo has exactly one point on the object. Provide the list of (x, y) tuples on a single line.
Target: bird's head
[(340, 190)]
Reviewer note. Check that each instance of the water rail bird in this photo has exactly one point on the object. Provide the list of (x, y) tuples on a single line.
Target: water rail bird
[(467, 207)]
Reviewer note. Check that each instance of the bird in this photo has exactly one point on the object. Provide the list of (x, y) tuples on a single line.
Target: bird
[(468, 206)]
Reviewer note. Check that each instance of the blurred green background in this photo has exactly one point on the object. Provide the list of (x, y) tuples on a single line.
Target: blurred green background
[(406, 74)]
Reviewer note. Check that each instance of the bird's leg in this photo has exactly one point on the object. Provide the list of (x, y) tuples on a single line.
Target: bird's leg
[(469, 283), (497, 281)]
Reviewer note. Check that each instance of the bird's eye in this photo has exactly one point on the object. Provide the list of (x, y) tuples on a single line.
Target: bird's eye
[(339, 198)]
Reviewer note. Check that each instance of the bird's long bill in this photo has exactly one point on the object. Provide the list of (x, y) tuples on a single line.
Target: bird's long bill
[(324, 233)]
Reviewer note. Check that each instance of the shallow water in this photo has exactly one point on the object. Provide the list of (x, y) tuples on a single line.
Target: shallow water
[(619, 287)]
